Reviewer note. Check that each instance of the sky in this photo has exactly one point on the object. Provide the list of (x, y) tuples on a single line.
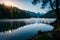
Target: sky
[(25, 5)]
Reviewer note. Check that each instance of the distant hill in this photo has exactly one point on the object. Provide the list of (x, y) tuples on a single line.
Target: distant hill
[(49, 14), (12, 12), (34, 15), (39, 14)]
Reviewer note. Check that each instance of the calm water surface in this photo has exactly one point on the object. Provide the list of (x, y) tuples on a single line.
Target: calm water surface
[(23, 32)]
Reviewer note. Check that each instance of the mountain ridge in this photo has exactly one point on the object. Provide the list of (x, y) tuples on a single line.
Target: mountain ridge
[(15, 13), (49, 14)]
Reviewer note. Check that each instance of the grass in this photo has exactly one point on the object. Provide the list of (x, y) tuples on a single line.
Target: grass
[(42, 36)]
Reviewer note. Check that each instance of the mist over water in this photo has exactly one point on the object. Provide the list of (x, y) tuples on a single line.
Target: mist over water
[(32, 20), (30, 28)]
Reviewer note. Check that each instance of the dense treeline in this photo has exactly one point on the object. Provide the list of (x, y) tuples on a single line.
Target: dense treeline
[(9, 12)]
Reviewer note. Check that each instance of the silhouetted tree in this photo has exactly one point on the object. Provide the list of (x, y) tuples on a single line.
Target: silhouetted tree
[(54, 4)]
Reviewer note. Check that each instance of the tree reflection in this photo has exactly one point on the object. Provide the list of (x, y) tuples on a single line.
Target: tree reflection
[(9, 31), (8, 26)]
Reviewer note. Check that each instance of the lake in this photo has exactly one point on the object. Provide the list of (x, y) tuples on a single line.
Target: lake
[(21, 29)]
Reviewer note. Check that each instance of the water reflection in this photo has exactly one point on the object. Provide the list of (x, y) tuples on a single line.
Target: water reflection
[(20, 30), (5, 26), (9, 31), (22, 33)]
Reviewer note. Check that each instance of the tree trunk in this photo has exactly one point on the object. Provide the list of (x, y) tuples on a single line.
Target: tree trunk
[(57, 13)]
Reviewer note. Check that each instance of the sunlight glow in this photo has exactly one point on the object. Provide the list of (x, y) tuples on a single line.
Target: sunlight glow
[(9, 31), (8, 4)]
